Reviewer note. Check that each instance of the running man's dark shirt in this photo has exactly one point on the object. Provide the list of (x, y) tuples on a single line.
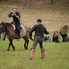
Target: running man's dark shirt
[(39, 30)]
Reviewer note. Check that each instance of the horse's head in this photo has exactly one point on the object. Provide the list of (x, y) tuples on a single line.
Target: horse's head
[(2, 28)]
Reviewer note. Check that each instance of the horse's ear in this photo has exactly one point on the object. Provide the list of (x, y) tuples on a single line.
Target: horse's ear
[(3, 23)]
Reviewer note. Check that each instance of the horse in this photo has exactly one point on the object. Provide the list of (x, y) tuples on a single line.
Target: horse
[(10, 33)]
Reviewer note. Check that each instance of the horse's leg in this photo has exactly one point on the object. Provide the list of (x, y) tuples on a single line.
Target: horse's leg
[(25, 45), (26, 42), (10, 45)]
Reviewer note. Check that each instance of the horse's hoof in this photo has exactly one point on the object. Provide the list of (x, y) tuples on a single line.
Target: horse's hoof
[(7, 50), (13, 49), (26, 49)]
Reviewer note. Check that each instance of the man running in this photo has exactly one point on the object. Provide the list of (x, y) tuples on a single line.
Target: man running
[(39, 34)]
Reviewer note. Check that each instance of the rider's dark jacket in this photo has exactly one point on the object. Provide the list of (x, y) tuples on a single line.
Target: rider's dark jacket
[(16, 20)]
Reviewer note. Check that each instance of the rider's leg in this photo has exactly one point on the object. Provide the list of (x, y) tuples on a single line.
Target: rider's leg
[(18, 31)]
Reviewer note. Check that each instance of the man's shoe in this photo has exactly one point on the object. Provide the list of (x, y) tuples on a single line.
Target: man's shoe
[(42, 57), (30, 59)]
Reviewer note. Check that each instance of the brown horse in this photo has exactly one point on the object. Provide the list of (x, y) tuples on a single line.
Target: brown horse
[(8, 28)]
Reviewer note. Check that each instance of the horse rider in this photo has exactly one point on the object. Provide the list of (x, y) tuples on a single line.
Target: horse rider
[(16, 20), (39, 34)]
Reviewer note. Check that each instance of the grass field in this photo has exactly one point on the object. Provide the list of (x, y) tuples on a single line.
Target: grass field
[(56, 54)]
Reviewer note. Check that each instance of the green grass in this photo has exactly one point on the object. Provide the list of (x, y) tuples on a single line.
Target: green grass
[(56, 56)]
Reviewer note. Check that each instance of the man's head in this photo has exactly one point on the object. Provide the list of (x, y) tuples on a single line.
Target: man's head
[(39, 21), (47, 35), (15, 10)]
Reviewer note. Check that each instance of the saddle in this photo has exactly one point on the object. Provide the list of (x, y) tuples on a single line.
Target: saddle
[(14, 26)]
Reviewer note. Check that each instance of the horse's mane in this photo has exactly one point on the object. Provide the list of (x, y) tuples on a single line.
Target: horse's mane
[(8, 24)]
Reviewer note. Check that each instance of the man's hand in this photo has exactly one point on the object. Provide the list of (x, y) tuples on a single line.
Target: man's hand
[(12, 14), (18, 17)]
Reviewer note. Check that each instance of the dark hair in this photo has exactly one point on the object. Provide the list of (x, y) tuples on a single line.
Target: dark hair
[(15, 8), (56, 31), (39, 20)]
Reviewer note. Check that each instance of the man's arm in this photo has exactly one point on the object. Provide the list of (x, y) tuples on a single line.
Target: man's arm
[(30, 33), (45, 31), (32, 30), (10, 15), (18, 14)]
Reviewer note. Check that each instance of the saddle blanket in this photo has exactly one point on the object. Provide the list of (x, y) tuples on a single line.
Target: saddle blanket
[(15, 29)]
